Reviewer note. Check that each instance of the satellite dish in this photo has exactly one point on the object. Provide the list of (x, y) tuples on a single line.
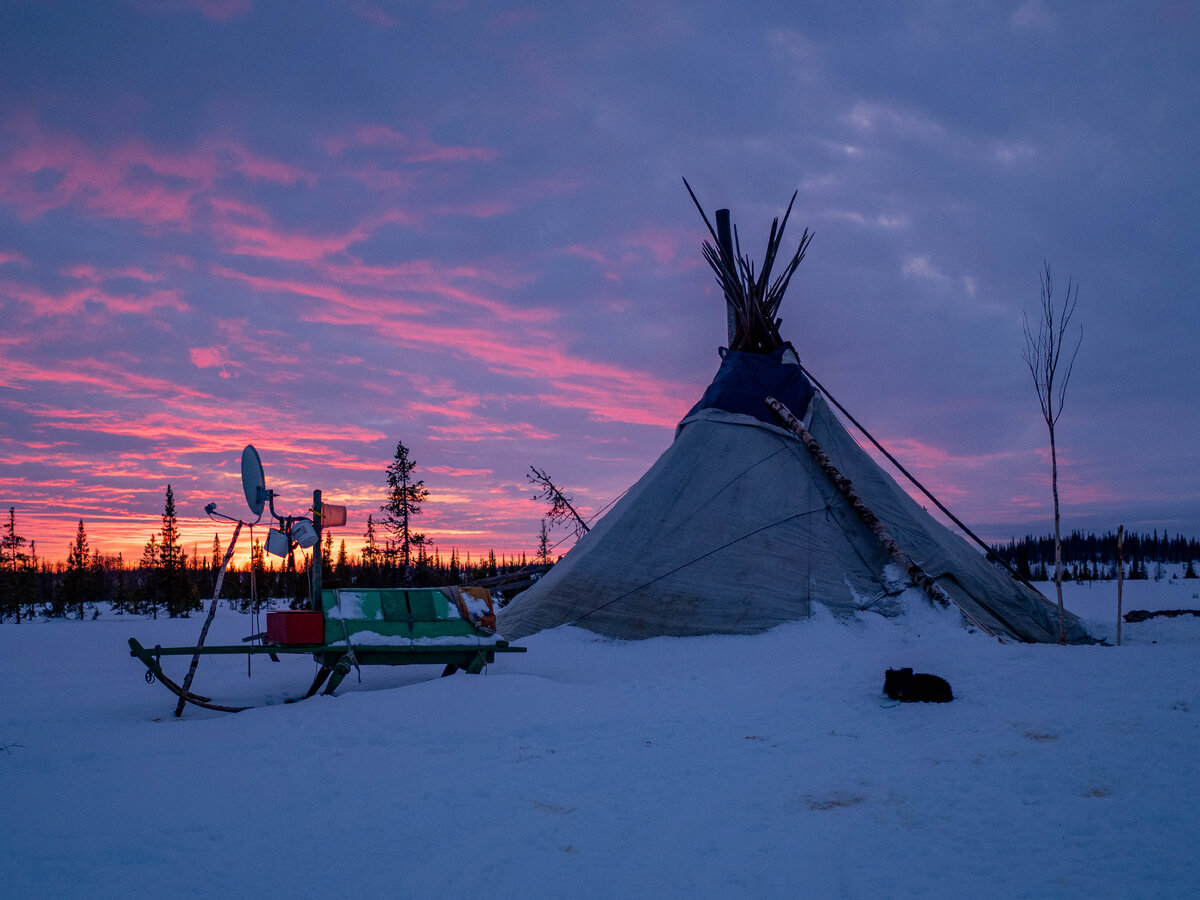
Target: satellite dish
[(253, 485)]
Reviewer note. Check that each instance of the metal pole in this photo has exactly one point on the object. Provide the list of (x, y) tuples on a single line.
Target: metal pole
[(316, 561), (1120, 576)]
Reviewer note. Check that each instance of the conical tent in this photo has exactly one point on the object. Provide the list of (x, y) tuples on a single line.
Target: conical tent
[(738, 527)]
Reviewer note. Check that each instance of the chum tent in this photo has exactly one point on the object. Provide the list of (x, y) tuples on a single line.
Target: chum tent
[(741, 526)]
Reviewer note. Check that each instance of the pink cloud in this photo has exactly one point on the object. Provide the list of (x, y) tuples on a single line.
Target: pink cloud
[(585, 253), (76, 301), (917, 454), (130, 180), (488, 431), (412, 149), (210, 358), (453, 472), (659, 247), (386, 180), (607, 407), (414, 278), (461, 408), (236, 158), (272, 243), (663, 244), (328, 293), (607, 392), (430, 274), (96, 275)]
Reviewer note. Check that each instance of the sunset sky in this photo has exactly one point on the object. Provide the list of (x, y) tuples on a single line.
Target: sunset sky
[(325, 227)]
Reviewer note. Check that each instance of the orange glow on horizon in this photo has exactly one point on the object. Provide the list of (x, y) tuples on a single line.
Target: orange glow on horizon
[(54, 535)]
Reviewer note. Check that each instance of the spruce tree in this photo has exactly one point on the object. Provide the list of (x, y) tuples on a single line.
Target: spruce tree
[(98, 591), (178, 592), (13, 565), (405, 496), (341, 569), (257, 583), (120, 598), (327, 557), (370, 548), (214, 565), (76, 587), (543, 547), (149, 595)]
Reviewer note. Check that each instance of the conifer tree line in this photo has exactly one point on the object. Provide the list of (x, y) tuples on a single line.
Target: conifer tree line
[(168, 581), (1091, 557)]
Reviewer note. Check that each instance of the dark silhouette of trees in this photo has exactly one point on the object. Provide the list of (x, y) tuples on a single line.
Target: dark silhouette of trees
[(1100, 551)]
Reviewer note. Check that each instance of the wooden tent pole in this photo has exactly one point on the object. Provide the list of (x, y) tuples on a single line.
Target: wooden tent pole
[(725, 238), (1120, 576), (918, 575)]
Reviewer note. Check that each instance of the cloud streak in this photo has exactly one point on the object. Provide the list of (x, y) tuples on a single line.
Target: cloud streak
[(466, 230)]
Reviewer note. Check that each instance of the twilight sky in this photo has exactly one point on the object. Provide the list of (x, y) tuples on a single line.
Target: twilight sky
[(325, 227)]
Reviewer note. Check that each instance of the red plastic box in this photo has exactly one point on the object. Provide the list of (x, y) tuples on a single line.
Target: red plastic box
[(295, 626)]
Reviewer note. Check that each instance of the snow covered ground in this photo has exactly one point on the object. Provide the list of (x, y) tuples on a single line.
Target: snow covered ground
[(763, 766)]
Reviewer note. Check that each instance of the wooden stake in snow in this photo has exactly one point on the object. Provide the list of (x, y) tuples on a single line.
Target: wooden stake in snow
[(212, 611), (918, 575), (1120, 577)]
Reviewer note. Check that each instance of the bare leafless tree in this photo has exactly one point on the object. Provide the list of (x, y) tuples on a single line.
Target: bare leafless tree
[(561, 509), (1043, 353)]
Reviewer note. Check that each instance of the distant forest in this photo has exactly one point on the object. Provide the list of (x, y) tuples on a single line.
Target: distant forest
[(37, 589), (169, 581), (1088, 557)]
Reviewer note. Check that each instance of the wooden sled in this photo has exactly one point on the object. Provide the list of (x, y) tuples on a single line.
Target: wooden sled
[(355, 628)]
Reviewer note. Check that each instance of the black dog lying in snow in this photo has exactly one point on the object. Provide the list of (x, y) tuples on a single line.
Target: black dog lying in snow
[(903, 685)]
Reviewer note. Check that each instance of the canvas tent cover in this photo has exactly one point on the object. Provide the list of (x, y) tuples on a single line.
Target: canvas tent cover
[(736, 529)]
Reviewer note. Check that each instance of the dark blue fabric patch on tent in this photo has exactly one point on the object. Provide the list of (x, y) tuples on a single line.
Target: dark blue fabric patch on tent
[(745, 380)]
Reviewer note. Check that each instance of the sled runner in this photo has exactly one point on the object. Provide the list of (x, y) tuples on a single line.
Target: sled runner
[(378, 627)]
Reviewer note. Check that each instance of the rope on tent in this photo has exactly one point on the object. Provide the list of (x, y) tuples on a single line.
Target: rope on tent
[(590, 519), (919, 576), (868, 563), (594, 516), (692, 562), (991, 554)]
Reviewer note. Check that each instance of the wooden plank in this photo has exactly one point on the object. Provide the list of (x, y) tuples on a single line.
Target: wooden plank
[(212, 611)]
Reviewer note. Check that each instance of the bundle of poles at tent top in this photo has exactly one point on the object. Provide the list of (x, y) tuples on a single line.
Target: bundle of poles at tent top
[(753, 298)]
